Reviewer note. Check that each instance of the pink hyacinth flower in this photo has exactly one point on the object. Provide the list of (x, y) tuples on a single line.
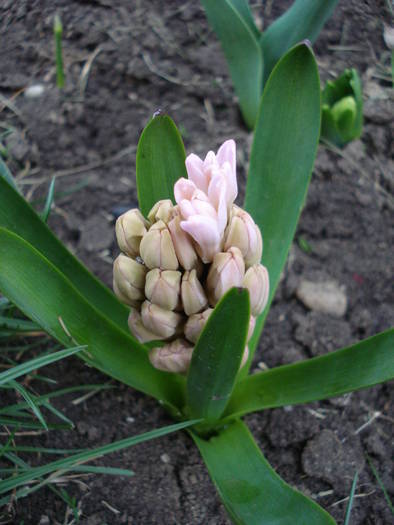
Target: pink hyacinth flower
[(202, 172)]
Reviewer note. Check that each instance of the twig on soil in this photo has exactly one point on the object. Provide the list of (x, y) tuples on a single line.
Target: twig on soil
[(112, 509), (364, 495), (84, 77), (83, 398), (374, 416), (153, 69), (8, 103)]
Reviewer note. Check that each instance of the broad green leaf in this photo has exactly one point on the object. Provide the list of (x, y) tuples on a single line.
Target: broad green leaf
[(217, 356), (243, 9), (284, 148), (6, 174), (251, 491), (242, 51), (160, 162), (304, 20), (48, 297), (67, 464), (19, 217), (358, 366)]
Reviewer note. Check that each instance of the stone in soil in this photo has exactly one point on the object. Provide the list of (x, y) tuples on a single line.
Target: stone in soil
[(327, 297)]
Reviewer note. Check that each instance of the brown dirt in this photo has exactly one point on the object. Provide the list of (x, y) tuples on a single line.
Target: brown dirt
[(145, 58)]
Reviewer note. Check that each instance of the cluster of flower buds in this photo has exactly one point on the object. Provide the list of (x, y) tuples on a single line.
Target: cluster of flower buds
[(178, 263)]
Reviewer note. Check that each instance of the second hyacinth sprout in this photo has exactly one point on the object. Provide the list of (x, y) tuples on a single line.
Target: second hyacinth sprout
[(177, 264)]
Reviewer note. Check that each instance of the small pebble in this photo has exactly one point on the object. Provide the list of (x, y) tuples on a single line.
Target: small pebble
[(165, 458), (327, 297), (34, 91)]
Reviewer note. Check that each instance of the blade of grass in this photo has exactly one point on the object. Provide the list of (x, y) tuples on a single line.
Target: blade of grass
[(29, 400), (380, 483), (49, 200), (351, 498), (67, 464), (33, 364)]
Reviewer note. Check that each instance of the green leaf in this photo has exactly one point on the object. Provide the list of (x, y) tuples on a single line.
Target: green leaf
[(6, 174), (49, 200), (243, 9), (304, 20), (251, 491), (239, 42), (48, 297), (284, 148), (38, 362), (19, 217), (17, 325), (74, 460), (358, 366), (217, 356), (29, 400), (339, 126), (160, 162)]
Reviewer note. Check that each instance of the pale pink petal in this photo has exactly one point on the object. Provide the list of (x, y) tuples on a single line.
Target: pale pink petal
[(186, 209), (210, 160), (195, 172), (231, 183), (217, 195), (227, 153), (183, 189), (204, 231)]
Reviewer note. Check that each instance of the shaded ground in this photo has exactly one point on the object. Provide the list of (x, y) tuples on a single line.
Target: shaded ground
[(143, 58)]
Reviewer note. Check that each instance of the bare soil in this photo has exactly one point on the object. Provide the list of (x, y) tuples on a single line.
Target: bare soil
[(124, 60)]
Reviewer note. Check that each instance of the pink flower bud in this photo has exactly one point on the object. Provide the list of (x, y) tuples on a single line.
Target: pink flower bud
[(244, 233), (183, 245), (138, 329), (193, 295), (129, 279), (157, 249), (256, 280), (162, 287), (162, 322), (174, 357), (130, 228), (227, 270), (161, 211), (195, 324), (201, 172)]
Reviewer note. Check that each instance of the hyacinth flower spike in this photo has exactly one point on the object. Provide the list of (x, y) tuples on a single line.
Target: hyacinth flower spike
[(191, 255)]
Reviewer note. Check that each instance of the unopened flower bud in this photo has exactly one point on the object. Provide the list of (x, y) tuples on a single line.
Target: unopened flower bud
[(195, 324), (183, 245), (256, 280), (244, 233), (157, 249), (174, 357), (245, 356), (193, 295), (161, 211), (130, 228), (138, 329), (164, 323), (162, 287), (227, 270), (252, 324), (129, 279)]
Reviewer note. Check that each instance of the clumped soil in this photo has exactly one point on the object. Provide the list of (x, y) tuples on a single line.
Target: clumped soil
[(124, 60)]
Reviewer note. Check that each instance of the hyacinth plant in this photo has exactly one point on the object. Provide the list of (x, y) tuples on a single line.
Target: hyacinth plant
[(342, 109), (252, 54), (191, 277)]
